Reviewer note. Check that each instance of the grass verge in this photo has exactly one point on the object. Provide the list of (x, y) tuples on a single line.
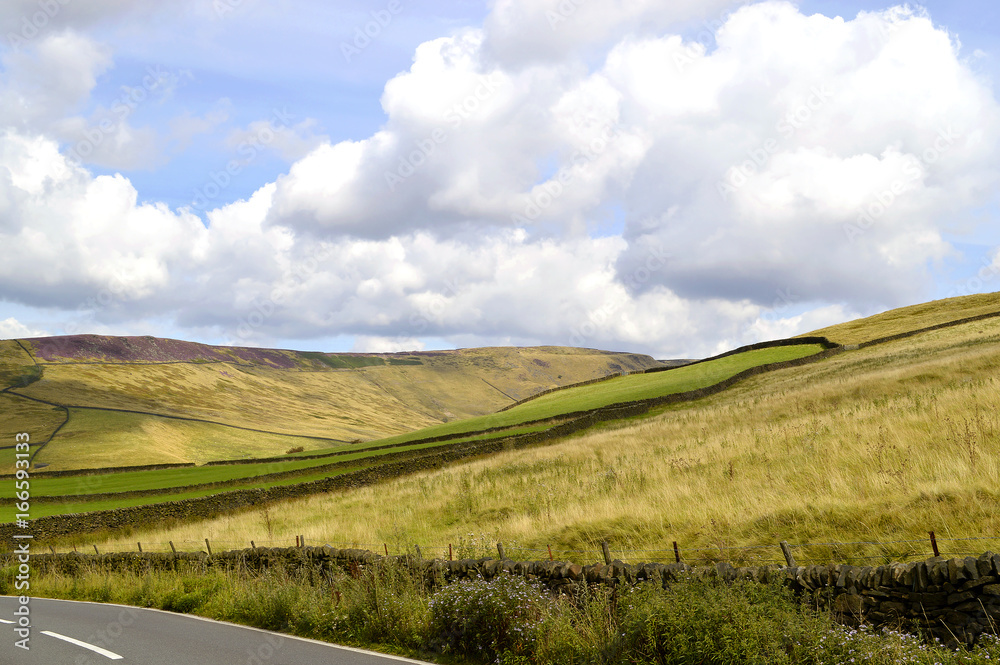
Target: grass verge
[(509, 620)]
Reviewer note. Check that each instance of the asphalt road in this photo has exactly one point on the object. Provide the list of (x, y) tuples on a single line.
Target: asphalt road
[(74, 633)]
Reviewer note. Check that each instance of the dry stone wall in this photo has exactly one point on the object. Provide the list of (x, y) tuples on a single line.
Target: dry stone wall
[(956, 600)]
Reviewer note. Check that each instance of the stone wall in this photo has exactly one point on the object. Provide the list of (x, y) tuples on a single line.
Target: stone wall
[(955, 600), (210, 506)]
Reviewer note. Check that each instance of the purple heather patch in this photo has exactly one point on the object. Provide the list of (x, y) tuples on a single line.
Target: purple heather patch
[(151, 349)]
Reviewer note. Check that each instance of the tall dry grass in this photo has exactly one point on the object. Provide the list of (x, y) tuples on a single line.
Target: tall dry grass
[(882, 444)]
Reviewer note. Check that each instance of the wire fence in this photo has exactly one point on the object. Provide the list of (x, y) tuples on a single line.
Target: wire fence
[(779, 553)]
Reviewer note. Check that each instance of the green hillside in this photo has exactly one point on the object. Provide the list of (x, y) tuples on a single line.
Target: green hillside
[(137, 401)]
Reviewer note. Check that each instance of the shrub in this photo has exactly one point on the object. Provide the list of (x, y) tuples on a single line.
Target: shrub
[(489, 621), (296, 449)]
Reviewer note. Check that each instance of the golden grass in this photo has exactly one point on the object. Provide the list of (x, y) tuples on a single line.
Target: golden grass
[(107, 438), (881, 444), (17, 415), (905, 319), (366, 403)]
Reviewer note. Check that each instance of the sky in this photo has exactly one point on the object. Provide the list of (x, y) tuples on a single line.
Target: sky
[(676, 179)]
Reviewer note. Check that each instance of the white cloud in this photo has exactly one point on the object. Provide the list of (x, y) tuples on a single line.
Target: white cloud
[(11, 328), (525, 32), (822, 157), (368, 344)]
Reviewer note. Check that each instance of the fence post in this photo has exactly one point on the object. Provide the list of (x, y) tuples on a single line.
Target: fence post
[(252, 546), (95, 550), (52, 549), (787, 551), (386, 546), (302, 541), (140, 547), (607, 552), (449, 552), (677, 552), (503, 555), (296, 541), (934, 544), (419, 554), (172, 548), (208, 547), (550, 553)]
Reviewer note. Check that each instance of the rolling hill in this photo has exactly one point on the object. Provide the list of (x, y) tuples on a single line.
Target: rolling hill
[(858, 443), (126, 401)]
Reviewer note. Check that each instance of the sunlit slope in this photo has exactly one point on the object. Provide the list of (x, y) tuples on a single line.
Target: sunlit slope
[(145, 400), (907, 319), (166, 483), (880, 444), (621, 390)]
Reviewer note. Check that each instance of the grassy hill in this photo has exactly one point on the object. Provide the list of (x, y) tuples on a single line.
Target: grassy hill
[(872, 448), (137, 401), (81, 493), (907, 319)]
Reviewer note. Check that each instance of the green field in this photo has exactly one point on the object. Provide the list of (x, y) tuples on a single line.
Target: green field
[(225, 477), (138, 412), (619, 390)]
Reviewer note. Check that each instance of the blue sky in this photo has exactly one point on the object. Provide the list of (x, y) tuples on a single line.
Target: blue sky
[(670, 178)]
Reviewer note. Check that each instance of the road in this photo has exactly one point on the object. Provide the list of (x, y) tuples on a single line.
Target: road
[(75, 633)]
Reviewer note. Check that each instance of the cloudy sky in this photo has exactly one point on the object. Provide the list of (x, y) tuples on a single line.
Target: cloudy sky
[(676, 178)]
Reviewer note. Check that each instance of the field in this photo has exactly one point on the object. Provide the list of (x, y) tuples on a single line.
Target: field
[(176, 483), (871, 446), (135, 401)]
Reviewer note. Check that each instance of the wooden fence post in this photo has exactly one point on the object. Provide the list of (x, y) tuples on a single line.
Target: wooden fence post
[(677, 552), (449, 552), (787, 551), (172, 548), (607, 552), (550, 553), (95, 550), (208, 547), (252, 546), (934, 544), (140, 547), (419, 554), (302, 541), (503, 554), (386, 546), (52, 549)]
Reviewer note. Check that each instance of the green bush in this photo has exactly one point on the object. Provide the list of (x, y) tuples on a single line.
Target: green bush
[(488, 620)]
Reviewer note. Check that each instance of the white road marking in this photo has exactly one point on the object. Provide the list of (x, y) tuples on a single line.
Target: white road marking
[(103, 652)]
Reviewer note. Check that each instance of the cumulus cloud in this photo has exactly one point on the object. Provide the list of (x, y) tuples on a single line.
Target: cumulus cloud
[(11, 328), (23, 21), (794, 154), (525, 32)]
